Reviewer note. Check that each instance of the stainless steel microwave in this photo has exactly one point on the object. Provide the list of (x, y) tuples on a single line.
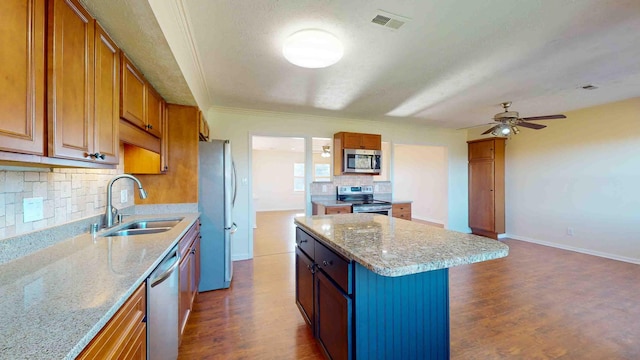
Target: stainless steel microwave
[(362, 161)]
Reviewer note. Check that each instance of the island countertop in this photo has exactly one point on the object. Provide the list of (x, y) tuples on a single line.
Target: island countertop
[(394, 247)]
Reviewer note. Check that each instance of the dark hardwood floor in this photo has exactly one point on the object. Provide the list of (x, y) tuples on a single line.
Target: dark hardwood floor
[(538, 303)]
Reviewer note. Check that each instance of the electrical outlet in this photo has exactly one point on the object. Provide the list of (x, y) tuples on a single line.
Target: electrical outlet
[(124, 195), (570, 231), (32, 209)]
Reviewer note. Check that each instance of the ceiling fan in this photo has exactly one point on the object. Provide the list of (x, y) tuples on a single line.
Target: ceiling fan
[(508, 122)]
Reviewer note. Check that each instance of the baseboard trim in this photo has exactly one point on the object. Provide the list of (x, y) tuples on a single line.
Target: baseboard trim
[(429, 220), (239, 257), (575, 249)]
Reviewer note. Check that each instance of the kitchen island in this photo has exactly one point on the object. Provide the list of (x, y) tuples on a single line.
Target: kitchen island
[(373, 286)]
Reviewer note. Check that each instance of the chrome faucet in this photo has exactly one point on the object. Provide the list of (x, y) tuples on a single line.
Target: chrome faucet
[(111, 211)]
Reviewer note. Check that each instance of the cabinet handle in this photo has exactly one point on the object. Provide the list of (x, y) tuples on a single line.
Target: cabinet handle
[(193, 251), (95, 156), (327, 263), (303, 241), (149, 126), (312, 268)]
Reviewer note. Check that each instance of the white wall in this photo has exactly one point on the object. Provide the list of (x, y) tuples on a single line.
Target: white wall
[(273, 180), (583, 173), (420, 174), (239, 125)]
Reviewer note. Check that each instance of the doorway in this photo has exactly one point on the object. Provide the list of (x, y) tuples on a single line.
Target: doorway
[(279, 192)]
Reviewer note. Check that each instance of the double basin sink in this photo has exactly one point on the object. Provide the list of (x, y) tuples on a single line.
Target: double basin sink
[(142, 227)]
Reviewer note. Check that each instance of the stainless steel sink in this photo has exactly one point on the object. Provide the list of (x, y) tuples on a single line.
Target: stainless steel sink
[(142, 227), (152, 224), (130, 232)]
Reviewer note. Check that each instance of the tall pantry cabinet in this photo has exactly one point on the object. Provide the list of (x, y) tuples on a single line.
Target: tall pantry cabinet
[(486, 187)]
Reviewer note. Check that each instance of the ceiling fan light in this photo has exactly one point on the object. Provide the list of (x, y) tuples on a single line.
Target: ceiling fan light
[(325, 152), (515, 130), (312, 49), (505, 130)]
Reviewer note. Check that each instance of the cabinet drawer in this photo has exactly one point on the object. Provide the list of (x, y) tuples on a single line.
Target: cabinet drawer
[(337, 210), (188, 238), (305, 242), (336, 267), (402, 215)]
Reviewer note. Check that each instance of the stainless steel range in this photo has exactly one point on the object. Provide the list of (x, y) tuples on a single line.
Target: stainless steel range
[(361, 200)]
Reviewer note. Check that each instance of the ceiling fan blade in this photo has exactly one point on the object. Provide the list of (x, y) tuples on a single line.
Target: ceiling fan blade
[(547, 117), (490, 130), (531, 125), (474, 126)]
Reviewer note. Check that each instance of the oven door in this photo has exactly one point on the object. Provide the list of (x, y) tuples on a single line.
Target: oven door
[(368, 210)]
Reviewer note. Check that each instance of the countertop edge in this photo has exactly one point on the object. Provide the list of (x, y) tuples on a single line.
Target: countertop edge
[(406, 270), (77, 349)]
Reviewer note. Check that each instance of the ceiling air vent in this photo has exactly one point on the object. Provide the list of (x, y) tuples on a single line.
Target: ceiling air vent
[(389, 20)]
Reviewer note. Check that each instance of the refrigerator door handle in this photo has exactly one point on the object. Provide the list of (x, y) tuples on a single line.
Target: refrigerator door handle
[(232, 229), (235, 183)]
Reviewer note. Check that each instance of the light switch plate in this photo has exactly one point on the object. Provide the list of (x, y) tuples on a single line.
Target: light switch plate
[(32, 209), (123, 196)]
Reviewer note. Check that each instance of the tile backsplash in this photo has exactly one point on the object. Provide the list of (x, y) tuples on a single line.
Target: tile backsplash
[(329, 188), (68, 195)]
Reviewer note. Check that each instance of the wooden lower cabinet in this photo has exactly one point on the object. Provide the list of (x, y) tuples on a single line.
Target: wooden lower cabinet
[(320, 296), (356, 313), (319, 209), (304, 286), (189, 274), (333, 318), (401, 211), (125, 335)]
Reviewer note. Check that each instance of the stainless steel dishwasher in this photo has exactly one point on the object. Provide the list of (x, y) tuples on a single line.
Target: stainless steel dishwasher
[(162, 309)]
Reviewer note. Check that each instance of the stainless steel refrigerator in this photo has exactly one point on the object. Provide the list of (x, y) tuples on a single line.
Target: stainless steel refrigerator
[(216, 196)]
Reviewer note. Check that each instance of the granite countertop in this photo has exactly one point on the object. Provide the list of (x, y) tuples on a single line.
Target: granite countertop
[(400, 201), (396, 247), (55, 300), (331, 203)]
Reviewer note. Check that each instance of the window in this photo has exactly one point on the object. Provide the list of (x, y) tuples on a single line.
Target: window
[(322, 172), (298, 177)]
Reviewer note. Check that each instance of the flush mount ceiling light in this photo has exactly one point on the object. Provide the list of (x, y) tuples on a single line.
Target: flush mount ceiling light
[(312, 49), (325, 151)]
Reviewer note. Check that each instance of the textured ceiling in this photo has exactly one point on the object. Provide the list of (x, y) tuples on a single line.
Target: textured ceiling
[(451, 65), (133, 27)]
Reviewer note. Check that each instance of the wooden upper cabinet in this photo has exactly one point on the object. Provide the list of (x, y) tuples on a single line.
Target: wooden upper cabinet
[(22, 89), (107, 97), (164, 141), (70, 80), (132, 100), (481, 150), (360, 141), (140, 104), (154, 112)]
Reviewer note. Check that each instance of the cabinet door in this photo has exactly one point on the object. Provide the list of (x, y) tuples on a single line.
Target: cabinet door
[(304, 286), (164, 139), (154, 112), (333, 318), (371, 142), (352, 141), (107, 97), (132, 93), (184, 284), (71, 80), (22, 89), (481, 195), (196, 260), (481, 150)]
